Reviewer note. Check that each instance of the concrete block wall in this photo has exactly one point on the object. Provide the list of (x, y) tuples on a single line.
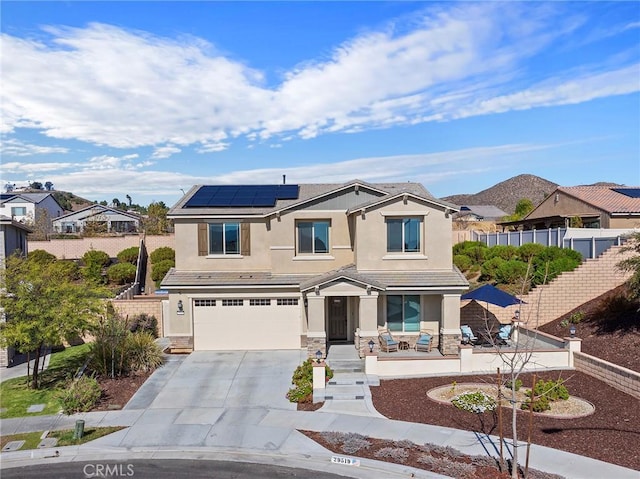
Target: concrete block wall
[(150, 305), (591, 279), (623, 379), (112, 245)]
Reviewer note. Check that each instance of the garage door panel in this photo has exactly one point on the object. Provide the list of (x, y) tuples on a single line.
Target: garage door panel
[(246, 327)]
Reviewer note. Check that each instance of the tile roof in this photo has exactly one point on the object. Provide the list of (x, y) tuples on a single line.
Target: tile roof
[(307, 192), (379, 279), (604, 198), (484, 211)]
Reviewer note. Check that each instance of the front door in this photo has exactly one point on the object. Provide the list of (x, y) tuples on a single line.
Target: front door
[(338, 318)]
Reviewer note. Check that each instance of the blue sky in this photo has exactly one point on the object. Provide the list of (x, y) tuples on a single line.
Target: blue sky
[(106, 99)]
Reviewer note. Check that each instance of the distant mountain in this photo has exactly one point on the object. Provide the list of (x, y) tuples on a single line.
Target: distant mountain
[(506, 194), (69, 201)]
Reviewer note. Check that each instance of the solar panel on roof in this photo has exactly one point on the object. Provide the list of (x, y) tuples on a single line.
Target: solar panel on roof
[(630, 192), (241, 195)]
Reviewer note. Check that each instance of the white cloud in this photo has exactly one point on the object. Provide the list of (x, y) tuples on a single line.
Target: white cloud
[(15, 147), (165, 151), (123, 88), (30, 168)]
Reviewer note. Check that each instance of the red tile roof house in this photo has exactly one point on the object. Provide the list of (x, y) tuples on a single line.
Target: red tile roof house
[(610, 207), (304, 266)]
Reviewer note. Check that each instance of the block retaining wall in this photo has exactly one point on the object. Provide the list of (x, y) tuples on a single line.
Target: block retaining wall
[(112, 245), (621, 378), (150, 305)]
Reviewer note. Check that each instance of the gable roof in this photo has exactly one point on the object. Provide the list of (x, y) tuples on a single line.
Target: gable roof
[(5, 220), (607, 198), (307, 193), (28, 197), (483, 211), (92, 210), (384, 199)]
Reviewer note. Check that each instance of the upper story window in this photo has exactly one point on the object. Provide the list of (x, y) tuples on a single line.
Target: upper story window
[(313, 237), (403, 235), (224, 238), (230, 238), (18, 211)]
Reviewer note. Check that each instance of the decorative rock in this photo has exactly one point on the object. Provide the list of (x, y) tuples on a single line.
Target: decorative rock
[(36, 408)]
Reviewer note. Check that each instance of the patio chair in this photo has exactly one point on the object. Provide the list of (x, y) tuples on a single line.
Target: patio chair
[(387, 343), (425, 341), (467, 335), (504, 335)]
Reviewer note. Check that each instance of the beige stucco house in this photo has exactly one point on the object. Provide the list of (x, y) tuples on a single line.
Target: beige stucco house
[(304, 266)]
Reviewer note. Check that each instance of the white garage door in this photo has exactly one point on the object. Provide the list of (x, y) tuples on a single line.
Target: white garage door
[(260, 323)]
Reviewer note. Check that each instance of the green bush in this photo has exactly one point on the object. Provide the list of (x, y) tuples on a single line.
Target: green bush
[(302, 390), (528, 251), (121, 273), (41, 256), (476, 402), (162, 254), (96, 257), (490, 269), (511, 272), (129, 255), (144, 322), (475, 250), (463, 262), (506, 252), (518, 384), (143, 354), (68, 269), (160, 269), (80, 395), (93, 272), (545, 393)]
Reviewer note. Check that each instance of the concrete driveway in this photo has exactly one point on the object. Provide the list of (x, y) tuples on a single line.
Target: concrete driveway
[(221, 379)]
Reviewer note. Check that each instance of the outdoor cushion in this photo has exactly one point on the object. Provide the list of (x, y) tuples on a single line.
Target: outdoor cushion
[(424, 339)]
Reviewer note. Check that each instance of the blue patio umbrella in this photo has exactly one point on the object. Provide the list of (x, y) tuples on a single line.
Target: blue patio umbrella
[(490, 294)]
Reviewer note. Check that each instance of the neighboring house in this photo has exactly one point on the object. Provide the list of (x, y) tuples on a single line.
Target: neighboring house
[(595, 207), (29, 207), (291, 266), (479, 213), (13, 237), (98, 217)]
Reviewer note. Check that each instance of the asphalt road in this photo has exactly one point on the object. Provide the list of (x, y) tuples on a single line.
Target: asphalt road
[(160, 469)]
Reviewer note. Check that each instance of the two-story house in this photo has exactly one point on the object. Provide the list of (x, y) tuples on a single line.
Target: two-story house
[(291, 266), (29, 207)]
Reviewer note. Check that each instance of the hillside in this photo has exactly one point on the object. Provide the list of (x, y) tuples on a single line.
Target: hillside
[(506, 194), (69, 201)]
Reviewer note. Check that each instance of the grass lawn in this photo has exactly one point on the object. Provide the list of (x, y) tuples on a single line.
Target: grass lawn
[(65, 438), (16, 396)]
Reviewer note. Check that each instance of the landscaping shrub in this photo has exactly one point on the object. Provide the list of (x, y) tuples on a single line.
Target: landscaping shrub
[(476, 402), (162, 254), (528, 251), (129, 255), (475, 250), (94, 256), (121, 273), (144, 322), (93, 272), (80, 395), (159, 270), (511, 272), (506, 252), (302, 380), (40, 256), (396, 454), (518, 384), (463, 262), (545, 393), (490, 269), (143, 354), (108, 352), (67, 269), (354, 442)]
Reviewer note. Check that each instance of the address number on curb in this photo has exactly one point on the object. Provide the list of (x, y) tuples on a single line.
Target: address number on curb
[(347, 461)]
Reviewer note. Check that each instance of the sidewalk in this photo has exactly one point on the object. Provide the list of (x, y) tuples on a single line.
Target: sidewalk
[(266, 436)]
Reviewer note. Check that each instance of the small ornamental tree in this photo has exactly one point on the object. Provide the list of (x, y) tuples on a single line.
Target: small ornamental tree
[(43, 306)]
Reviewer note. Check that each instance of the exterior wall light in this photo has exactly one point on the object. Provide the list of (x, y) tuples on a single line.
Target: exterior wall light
[(180, 307), (318, 356), (371, 345), (572, 331)]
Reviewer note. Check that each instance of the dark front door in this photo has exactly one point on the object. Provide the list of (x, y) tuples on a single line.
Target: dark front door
[(338, 318)]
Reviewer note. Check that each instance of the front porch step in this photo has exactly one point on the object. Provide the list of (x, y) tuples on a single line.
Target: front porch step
[(346, 365), (343, 392), (354, 379)]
